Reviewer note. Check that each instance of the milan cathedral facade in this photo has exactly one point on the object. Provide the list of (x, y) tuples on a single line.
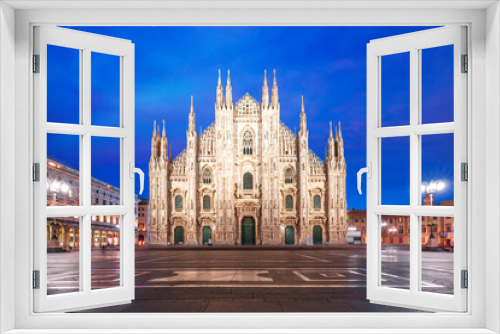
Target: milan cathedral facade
[(247, 179)]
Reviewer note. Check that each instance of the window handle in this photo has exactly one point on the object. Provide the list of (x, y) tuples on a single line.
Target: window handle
[(368, 171), (139, 171)]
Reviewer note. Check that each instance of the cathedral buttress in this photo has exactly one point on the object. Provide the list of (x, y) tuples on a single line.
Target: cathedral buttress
[(303, 179), (192, 229)]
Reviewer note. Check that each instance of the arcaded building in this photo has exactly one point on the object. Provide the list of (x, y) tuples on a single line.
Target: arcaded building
[(247, 179)]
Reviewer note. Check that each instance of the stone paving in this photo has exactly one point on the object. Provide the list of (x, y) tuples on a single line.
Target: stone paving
[(300, 279)]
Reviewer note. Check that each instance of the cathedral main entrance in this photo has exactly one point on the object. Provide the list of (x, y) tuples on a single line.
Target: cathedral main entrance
[(248, 231)]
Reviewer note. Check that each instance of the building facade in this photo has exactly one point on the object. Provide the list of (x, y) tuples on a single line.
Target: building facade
[(63, 189), (143, 227), (247, 179), (395, 230)]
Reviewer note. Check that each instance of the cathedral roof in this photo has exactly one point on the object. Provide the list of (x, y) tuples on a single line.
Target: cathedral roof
[(247, 105)]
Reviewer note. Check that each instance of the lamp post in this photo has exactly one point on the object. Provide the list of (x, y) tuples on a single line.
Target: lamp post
[(430, 189)]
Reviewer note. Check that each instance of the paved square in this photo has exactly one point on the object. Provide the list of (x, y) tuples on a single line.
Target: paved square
[(205, 279)]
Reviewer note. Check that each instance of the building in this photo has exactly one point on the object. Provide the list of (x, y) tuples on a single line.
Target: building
[(247, 179), (63, 189), (143, 219), (396, 229)]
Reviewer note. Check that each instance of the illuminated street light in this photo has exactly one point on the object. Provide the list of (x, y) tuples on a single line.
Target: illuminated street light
[(431, 188)]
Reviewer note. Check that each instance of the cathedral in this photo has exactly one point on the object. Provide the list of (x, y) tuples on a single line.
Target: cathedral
[(247, 179)]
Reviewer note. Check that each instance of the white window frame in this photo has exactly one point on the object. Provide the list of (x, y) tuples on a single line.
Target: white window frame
[(483, 125), (85, 43), (414, 43)]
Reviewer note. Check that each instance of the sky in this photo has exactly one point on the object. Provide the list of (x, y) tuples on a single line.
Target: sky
[(327, 65)]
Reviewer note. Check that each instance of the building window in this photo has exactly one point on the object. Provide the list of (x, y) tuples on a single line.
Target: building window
[(247, 181), (423, 229), (178, 202), (206, 202), (247, 143), (206, 176), (288, 176), (317, 202), (289, 202)]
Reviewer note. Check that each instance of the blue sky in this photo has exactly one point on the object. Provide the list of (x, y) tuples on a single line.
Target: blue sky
[(327, 65)]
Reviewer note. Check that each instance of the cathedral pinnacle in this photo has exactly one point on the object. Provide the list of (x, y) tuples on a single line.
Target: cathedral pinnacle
[(164, 132), (331, 131), (229, 91), (219, 97), (154, 129), (265, 91), (192, 120), (303, 123), (274, 98)]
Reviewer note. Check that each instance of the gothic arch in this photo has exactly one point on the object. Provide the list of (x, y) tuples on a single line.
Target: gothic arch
[(289, 174), (248, 141)]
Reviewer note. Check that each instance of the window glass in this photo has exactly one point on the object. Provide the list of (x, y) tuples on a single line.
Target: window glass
[(247, 181), (206, 202), (289, 202), (178, 202), (317, 202)]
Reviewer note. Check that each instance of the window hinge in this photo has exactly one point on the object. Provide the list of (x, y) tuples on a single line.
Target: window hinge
[(36, 172), (36, 63), (465, 64), (36, 279), (465, 279), (464, 171)]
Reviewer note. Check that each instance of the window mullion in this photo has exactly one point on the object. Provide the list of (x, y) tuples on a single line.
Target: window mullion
[(414, 167), (85, 174)]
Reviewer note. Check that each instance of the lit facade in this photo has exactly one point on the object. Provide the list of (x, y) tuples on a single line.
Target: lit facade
[(396, 229), (247, 179), (63, 189)]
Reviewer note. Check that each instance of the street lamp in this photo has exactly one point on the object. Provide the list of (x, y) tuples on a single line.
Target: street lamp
[(431, 188)]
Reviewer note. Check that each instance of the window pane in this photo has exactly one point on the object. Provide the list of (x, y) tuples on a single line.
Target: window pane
[(63, 85), (63, 256), (395, 170), (395, 80), (105, 251), (437, 84), (395, 251), (437, 254), (63, 177), (178, 202), (105, 171), (247, 181), (206, 202), (437, 170), (105, 92), (289, 202)]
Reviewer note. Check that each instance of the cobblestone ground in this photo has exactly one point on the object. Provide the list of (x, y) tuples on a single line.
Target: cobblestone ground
[(296, 279)]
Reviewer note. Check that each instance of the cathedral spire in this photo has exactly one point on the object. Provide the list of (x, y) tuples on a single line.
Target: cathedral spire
[(265, 92), (192, 117), (153, 142), (164, 145), (229, 91), (274, 98), (303, 121), (219, 96), (331, 143)]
